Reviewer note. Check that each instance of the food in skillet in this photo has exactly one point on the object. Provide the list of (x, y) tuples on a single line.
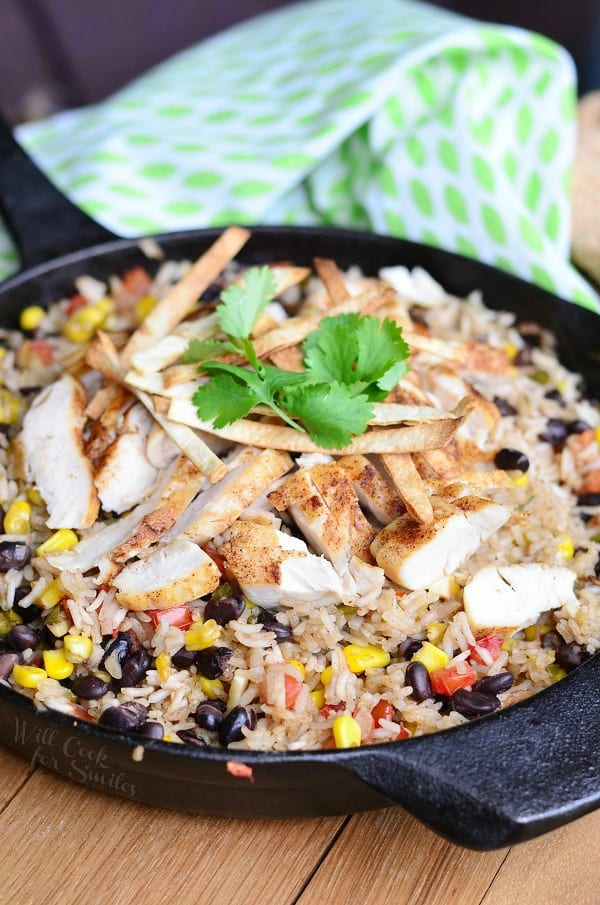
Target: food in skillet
[(262, 508)]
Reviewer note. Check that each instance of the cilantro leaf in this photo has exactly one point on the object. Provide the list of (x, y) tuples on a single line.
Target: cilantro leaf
[(331, 350), (202, 350), (223, 400), (262, 388), (380, 349), (242, 304), (330, 413)]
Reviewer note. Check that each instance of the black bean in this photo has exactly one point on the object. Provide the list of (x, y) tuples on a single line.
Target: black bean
[(7, 662), (134, 668), (597, 568), (115, 654), (127, 717), (511, 460), (26, 613), (224, 609), (578, 426), (571, 655), (502, 681), (270, 623), (504, 407), (474, 703), (22, 636), (523, 357), (13, 555), (151, 730), (89, 688), (418, 678), (209, 715), (189, 737), (588, 499), (230, 729), (183, 659), (585, 517), (552, 640), (212, 661), (555, 395), (531, 335), (556, 432), (408, 648)]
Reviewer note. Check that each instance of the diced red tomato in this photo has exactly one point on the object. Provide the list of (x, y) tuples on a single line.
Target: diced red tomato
[(76, 303), (179, 616), (448, 680), (328, 709), (366, 722), (43, 351), (382, 711), (293, 687), (491, 643), (137, 282), (403, 733)]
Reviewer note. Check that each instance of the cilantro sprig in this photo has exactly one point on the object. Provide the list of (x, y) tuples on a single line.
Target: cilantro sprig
[(351, 362)]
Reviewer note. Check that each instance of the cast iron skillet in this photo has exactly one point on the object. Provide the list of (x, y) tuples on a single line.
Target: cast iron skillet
[(505, 778)]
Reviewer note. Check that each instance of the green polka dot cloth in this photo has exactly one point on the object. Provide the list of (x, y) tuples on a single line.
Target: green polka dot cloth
[(388, 116)]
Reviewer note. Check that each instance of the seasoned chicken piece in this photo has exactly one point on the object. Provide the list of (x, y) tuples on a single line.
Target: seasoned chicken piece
[(104, 430), (322, 502), (274, 569), (125, 476), (372, 489), (52, 443), (173, 574), (160, 449), (446, 388), (415, 556), (508, 598), (250, 474)]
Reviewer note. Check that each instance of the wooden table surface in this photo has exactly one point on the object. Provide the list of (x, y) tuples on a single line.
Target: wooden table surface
[(85, 847)]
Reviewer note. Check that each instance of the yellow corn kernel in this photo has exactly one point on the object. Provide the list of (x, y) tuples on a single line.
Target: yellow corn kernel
[(77, 648), (8, 619), (63, 539), (326, 675), (143, 307), (2, 352), (508, 644), (163, 666), (346, 732), (565, 546), (360, 658), (430, 656), (202, 635), (105, 305), (555, 672), (10, 407), (436, 631), (56, 664), (35, 497), (531, 632), (238, 686), (18, 518), (299, 666), (76, 332), (28, 676), (318, 697), (211, 687), (511, 350), (31, 318), (597, 432), (248, 603), (522, 480), (51, 595), (90, 317), (171, 739), (103, 675)]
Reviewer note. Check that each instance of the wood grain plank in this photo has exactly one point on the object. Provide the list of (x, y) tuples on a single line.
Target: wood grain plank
[(14, 771), (562, 866), (98, 849), (387, 856)]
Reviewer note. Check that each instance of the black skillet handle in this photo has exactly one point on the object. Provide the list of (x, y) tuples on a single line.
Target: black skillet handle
[(41, 221), (502, 779)]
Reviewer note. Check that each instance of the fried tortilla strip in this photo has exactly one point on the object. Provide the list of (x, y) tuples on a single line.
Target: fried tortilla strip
[(104, 431), (255, 433), (472, 481), (332, 279), (171, 347), (161, 404), (178, 303), (101, 400), (393, 413), (446, 462), (290, 359), (410, 486), (185, 483), (101, 356), (472, 356), (372, 489)]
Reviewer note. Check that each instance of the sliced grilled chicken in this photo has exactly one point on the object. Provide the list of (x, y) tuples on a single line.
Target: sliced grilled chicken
[(173, 574), (446, 388), (125, 476), (52, 443), (322, 502), (372, 489), (415, 556), (274, 569), (250, 474), (507, 598), (160, 449)]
